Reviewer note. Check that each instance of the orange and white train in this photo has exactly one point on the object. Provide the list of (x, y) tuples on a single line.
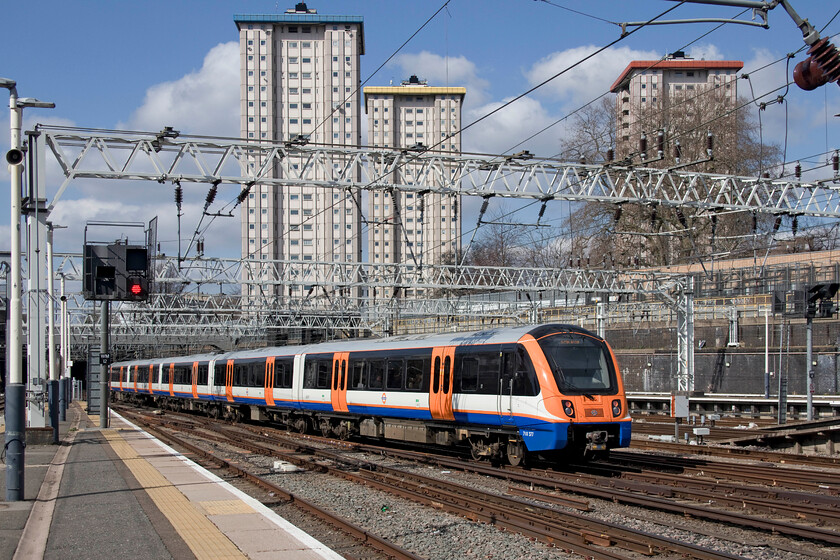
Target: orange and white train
[(505, 392)]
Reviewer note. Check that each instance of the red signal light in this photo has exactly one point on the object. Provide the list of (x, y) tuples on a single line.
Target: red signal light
[(136, 289)]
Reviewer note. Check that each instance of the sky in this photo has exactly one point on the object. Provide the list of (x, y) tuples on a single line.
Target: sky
[(147, 64)]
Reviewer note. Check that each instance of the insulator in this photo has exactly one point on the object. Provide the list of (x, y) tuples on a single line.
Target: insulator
[(835, 163), (542, 211), (794, 225), (243, 194), (455, 207), (660, 143), (179, 195), (681, 218), (766, 175), (821, 66), (754, 223), (610, 154), (484, 205), (643, 145), (714, 227), (710, 143), (797, 171), (211, 194), (582, 160), (653, 217), (777, 224), (617, 215), (677, 151)]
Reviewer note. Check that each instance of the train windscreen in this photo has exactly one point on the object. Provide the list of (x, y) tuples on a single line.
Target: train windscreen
[(580, 364)]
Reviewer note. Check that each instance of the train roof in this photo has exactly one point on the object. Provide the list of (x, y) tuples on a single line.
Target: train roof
[(502, 335)]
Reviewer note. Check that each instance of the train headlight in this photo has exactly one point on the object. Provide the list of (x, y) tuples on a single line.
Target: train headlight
[(569, 408), (616, 407)]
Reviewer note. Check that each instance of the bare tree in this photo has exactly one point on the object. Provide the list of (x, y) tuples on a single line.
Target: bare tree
[(638, 235)]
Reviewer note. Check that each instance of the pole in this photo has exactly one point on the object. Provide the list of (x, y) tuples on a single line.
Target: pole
[(103, 367), (809, 379), (62, 383), (51, 367), (15, 390), (766, 353)]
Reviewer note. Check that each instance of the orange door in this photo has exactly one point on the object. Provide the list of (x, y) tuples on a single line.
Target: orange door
[(440, 386), (122, 370), (172, 379), (229, 381), (151, 377), (338, 394), (269, 381), (135, 377), (195, 380)]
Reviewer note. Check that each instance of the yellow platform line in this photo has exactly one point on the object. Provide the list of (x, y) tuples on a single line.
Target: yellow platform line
[(199, 533)]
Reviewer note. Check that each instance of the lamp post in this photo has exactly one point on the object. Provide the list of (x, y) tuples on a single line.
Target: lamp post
[(15, 389)]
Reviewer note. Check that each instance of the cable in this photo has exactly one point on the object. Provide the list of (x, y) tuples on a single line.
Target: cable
[(579, 13)]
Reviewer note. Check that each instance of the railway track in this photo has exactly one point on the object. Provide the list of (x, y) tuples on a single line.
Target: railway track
[(622, 481)]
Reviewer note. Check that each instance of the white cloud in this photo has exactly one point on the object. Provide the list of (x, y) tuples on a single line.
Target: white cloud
[(587, 80), (442, 71), (205, 101), (705, 52), (503, 130)]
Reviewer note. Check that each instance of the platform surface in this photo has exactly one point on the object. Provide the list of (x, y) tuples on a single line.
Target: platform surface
[(120, 493)]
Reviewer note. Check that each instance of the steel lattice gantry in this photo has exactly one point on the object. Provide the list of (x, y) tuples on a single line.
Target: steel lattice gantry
[(153, 157), (82, 153)]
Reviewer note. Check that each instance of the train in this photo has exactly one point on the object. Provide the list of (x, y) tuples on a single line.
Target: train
[(502, 394)]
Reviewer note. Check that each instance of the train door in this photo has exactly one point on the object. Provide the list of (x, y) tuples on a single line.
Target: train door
[(122, 372), (151, 378), (440, 386), (269, 381), (505, 398), (194, 380), (338, 394), (172, 380), (134, 377), (229, 381)]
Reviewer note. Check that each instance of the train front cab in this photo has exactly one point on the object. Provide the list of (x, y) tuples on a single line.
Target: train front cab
[(581, 388)]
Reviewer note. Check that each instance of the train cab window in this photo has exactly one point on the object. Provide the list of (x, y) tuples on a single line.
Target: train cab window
[(395, 375), (414, 368), (518, 376), (376, 374), (579, 363), (357, 374)]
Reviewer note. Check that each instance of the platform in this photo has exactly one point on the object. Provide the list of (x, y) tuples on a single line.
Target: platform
[(120, 493)]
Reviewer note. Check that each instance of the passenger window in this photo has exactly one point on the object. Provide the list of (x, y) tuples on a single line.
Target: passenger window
[(323, 374), (335, 376), (376, 374), (468, 373), (414, 374), (343, 374), (436, 376), (395, 374), (357, 369)]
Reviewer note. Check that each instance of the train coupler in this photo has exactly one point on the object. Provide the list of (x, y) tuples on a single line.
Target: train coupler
[(596, 441)]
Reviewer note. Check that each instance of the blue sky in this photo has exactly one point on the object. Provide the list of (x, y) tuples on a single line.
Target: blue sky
[(146, 64)]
